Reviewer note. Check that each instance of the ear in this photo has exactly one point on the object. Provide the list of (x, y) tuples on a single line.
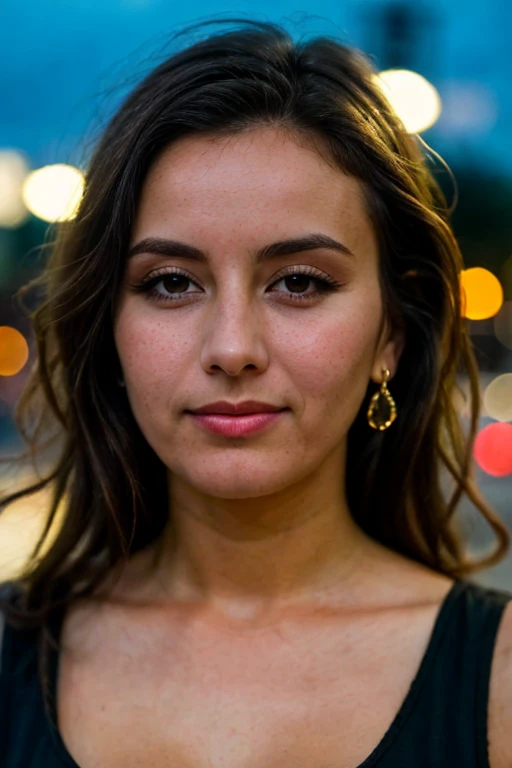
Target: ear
[(389, 351)]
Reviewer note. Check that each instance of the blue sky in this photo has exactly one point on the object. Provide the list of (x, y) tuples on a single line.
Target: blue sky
[(63, 64)]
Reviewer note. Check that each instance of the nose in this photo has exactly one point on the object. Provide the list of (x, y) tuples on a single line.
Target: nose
[(234, 336)]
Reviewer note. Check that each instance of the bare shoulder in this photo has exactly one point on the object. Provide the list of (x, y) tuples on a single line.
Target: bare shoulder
[(500, 695)]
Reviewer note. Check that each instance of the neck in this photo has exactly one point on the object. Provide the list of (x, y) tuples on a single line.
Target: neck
[(246, 559)]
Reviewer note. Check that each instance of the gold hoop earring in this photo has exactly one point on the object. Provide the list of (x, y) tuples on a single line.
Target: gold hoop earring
[(382, 410)]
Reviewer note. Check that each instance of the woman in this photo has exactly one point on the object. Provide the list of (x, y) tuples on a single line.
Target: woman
[(250, 339)]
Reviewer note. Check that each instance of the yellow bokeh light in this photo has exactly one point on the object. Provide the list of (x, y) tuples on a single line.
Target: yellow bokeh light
[(482, 294), (416, 102), (22, 522), (498, 398), (13, 351), (53, 193)]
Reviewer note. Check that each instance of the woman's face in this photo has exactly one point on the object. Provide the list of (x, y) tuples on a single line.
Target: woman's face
[(232, 327)]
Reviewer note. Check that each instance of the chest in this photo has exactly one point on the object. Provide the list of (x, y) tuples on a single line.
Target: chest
[(193, 699)]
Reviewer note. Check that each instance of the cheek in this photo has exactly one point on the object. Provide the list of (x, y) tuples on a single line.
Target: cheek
[(151, 352), (153, 358), (330, 364)]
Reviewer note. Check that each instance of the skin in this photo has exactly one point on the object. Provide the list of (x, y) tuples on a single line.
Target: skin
[(261, 522)]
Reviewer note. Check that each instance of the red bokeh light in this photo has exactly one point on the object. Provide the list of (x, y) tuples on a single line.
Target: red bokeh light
[(493, 449)]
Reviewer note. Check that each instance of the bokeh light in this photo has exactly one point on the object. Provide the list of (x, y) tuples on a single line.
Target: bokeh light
[(53, 193), (416, 102), (13, 351), (498, 398), (13, 172), (493, 449), (482, 294)]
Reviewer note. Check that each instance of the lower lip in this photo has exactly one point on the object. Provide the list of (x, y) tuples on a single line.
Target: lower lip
[(235, 426)]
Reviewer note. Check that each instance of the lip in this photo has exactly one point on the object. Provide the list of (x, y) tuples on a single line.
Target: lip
[(236, 426), (237, 409)]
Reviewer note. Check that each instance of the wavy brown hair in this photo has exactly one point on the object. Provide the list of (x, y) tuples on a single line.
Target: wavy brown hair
[(109, 482)]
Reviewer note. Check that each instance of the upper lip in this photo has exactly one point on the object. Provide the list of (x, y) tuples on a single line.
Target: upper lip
[(235, 409)]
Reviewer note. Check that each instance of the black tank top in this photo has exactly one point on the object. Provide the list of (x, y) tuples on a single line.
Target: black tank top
[(441, 723)]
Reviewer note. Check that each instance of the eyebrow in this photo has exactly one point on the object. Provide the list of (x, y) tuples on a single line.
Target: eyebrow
[(174, 248)]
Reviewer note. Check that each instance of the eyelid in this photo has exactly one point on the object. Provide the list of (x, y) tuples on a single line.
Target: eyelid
[(291, 268), (168, 271)]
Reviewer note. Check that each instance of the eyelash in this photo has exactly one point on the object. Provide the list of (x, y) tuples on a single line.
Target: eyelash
[(325, 285)]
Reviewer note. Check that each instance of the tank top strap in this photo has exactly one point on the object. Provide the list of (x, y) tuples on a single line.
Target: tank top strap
[(26, 734), (447, 726), (482, 613)]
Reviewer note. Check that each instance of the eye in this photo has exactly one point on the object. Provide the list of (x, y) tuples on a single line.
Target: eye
[(174, 278), (296, 277), (297, 282)]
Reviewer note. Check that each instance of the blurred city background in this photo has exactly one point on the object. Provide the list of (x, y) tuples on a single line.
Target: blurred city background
[(445, 67)]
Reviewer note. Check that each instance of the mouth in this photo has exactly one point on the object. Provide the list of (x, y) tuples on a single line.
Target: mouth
[(229, 425)]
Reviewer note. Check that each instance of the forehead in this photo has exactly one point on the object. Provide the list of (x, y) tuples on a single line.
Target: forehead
[(260, 176)]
